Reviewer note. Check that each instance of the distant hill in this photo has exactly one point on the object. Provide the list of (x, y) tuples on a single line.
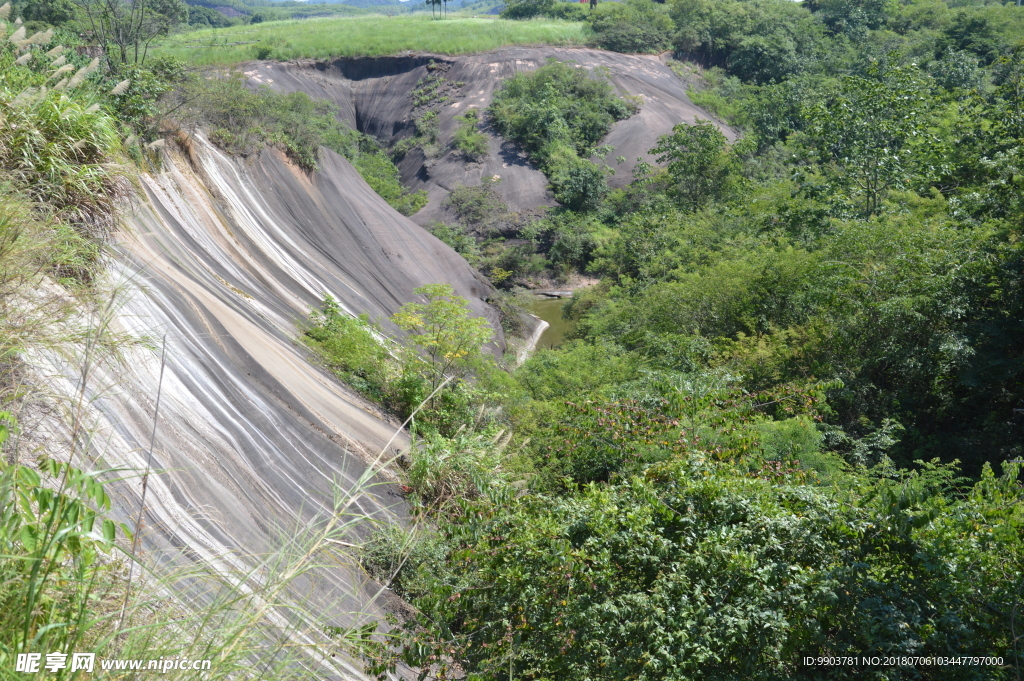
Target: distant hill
[(369, 3), (479, 6)]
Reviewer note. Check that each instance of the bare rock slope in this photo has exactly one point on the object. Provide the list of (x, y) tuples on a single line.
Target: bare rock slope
[(223, 259), (375, 95)]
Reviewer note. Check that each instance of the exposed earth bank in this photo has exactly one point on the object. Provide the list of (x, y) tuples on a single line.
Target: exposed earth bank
[(379, 96)]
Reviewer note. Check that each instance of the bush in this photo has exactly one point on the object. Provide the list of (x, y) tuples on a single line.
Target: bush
[(558, 114), (444, 347), (476, 207), (52, 570), (394, 557), (761, 41), (243, 120), (527, 9), (383, 177), (350, 347), (462, 243), (569, 11), (468, 140), (631, 26), (443, 470), (579, 184), (720, 575), (205, 17), (557, 105)]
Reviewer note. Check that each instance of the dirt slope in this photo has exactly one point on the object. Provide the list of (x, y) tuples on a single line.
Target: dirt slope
[(375, 96)]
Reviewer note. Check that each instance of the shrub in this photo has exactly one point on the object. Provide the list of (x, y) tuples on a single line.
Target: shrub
[(462, 243), (569, 11), (394, 556), (243, 120), (350, 347), (205, 17), (631, 26), (61, 149), (470, 141), (711, 573), (579, 184), (699, 162), (557, 104), (527, 9), (383, 177), (444, 347), (476, 207), (558, 114), (443, 470)]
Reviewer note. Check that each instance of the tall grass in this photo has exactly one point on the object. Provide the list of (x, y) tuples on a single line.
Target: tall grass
[(364, 36), (270, 616), (279, 614)]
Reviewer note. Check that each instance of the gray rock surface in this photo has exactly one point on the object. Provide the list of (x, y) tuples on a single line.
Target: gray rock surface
[(224, 258), (374, 96)]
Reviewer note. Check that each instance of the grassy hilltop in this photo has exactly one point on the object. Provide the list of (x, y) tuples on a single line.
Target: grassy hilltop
[(363, 36)]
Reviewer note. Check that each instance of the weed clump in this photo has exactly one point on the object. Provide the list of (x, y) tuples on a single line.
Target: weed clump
[(468, 140)]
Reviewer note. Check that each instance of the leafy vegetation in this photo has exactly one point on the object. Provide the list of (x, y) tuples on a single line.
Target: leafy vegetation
[(631, 26), (242, 121), (557, 115), (787, 423), (428, 376), (468, 140), (68, 132)]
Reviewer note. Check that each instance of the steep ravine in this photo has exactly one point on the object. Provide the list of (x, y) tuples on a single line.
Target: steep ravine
[(375, 95), (223, 257)]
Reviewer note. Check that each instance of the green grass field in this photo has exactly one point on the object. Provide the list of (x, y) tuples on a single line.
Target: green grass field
[(363, 36)]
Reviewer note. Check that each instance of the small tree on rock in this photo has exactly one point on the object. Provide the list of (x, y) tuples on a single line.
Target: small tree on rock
[(444, 329)]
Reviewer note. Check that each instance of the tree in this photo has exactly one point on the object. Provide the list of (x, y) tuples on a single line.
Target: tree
[(127, 28), (701, 571), (579, 184), (444, 329), (53, 12), (526, 9), (698, 162), (869, 133), (854, 16), (632, 26)]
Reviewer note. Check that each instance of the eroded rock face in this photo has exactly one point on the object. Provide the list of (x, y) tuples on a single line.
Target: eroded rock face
[(375, 95), (224, 258)]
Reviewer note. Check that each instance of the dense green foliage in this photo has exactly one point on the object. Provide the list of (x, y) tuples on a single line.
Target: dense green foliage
[(557, 115), (513, 249), (751, 450), (695, 571), (428, 377), (468, 140), (631, 26)]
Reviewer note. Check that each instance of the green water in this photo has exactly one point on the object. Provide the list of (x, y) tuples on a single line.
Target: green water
[(550, 310)]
